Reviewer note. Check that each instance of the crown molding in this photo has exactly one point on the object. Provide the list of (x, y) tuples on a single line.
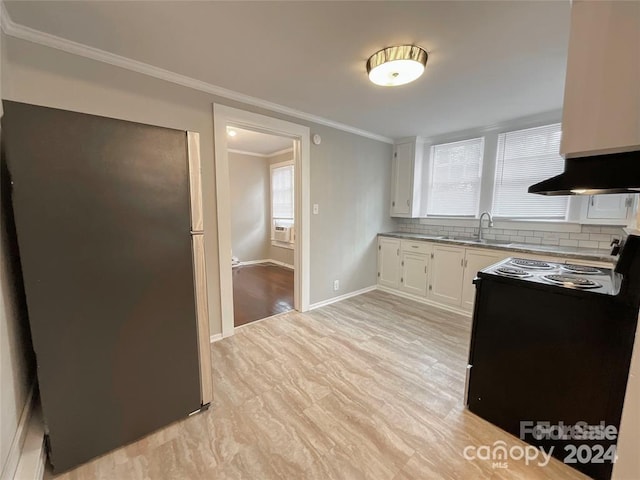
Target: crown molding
[(16, 30), (262, 155), (280, 152), (244, 152)]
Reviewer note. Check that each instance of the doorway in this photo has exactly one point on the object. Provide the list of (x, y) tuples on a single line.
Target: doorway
[(263, 226), (226, 118)]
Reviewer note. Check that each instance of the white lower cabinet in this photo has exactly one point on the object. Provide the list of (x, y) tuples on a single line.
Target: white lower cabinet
[(389, 267), (476, 260), (414, 273), (440, 274), (447, 267)]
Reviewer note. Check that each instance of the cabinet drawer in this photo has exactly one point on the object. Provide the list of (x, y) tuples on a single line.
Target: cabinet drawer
[(415, 246)]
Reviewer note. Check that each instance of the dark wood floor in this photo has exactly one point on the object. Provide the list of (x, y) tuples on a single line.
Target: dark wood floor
[(260, 291)]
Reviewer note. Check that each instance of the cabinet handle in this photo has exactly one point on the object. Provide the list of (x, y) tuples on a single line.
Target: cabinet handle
[(429, 287), (425, 269), (398, 252), (414, 246), (591, 200), (629, 201), (466, 262), (393, 204), (432, 255), (402, 263), (462, 262), (407, 203), (401, 280)]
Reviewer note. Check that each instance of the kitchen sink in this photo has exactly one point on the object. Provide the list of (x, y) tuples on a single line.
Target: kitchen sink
[(484, 241), (493, 242), (460, 239)]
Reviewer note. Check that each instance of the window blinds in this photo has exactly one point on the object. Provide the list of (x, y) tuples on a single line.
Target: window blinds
[(454, 185), (526, 157), (282, 192)]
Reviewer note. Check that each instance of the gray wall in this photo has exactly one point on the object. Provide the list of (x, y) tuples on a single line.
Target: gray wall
[(281, 254), (15, 351), (350, 175), (249, 186)]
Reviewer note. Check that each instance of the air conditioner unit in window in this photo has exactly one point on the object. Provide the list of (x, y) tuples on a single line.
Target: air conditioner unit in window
[(282, 234)]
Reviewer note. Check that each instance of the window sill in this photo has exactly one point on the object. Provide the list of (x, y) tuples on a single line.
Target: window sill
[(275, 243)]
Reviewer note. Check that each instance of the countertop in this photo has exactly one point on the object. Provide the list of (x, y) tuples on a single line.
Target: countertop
[(566, 252)]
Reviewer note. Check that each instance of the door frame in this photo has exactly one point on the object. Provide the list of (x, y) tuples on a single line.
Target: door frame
[(223, 117)]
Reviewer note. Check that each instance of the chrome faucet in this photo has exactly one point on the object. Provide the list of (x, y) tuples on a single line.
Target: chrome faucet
[(490, 224)]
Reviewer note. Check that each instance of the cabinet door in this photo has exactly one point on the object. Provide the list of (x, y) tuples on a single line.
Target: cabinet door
[(402, 179), (446, 275), (475, 260), (414, 273), (609, 206), (389, 262), (600, 113)]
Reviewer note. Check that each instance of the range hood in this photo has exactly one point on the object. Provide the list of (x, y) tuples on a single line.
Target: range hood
[(599, 174)]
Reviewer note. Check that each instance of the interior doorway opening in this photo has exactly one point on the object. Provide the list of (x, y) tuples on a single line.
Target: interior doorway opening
[(263, 223), (228, 118)]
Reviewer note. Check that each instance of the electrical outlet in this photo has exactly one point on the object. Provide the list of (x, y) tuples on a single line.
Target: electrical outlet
[(315, 208), (336, 285)]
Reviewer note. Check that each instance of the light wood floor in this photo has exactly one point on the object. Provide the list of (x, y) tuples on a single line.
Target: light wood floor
[(368, 388)]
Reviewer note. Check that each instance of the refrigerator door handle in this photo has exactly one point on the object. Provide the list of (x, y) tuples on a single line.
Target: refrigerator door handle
[(202, 316), (195, 182)]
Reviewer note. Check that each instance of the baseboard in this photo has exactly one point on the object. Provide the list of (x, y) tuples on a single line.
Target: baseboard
[(17, 462), (282, 264), (342, 297), (425, 301), (266, 260), (252, 262), (216, 337)]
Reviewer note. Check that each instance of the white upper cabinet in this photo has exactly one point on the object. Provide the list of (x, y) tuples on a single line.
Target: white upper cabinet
[(602, 90), (609, 207), (406, 178)]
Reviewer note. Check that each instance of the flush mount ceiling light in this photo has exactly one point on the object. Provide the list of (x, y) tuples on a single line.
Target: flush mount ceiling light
[(399, 65), (231, 133)]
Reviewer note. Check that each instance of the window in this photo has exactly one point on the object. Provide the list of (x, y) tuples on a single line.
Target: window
[(526, 157), (282, 203), (456, 170)]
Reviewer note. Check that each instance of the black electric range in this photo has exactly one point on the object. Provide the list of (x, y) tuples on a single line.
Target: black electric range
[(599, 280), (551, 345)]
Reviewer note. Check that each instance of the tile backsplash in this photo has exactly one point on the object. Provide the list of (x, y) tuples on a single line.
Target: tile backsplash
[(588, 236)]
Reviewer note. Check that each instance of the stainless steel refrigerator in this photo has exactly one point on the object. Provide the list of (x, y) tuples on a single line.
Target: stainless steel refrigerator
[(108, 218)]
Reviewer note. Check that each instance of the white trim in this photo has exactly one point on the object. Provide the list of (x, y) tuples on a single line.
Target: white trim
[(227, 116), (267, 260), (15, 451), (281, 264), (329, 301), (244, 152), (281, 152), (426, 301), (33, 457), (13, 29), (253, 262), (216, 337)]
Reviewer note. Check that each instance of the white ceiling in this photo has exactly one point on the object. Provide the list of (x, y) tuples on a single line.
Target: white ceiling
[(488, 61), (257, 142)]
